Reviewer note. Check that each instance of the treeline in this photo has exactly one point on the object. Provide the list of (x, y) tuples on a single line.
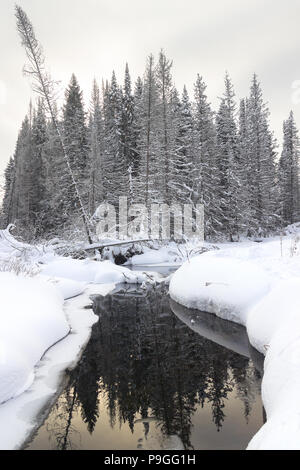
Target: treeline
[(152, 144)]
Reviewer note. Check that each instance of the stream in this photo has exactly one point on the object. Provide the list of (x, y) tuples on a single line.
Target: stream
[(156, 375)]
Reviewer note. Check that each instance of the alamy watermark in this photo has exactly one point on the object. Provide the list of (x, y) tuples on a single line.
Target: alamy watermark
[(157, 222)]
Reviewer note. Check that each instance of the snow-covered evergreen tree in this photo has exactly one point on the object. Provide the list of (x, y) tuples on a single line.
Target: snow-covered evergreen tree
[(127, 122), (288, 172), (228, 161), (38, 205), (262, 170), (136, 133), (96, 145), (165, 89), (23, 181), (181, 173), (205, 174), (76, 141), (7, 204), (244, 172), (148, 182), (115, 169)]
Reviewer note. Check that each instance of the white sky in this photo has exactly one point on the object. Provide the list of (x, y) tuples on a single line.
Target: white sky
[(93, 37)]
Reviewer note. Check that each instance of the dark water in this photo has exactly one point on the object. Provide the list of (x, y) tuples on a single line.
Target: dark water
[(152, 378)]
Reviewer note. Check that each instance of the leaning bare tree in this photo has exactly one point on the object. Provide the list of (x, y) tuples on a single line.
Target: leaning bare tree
[(44, 86)]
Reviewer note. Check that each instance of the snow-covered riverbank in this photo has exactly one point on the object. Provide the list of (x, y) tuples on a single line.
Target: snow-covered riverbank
[(257, 285), (42, 333), (20, 416)]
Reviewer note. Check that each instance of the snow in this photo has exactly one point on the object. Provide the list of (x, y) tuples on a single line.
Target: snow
[(169, 253), (258, 286), (35, 316), (30, 322), (91, 271), (254, 284), (22, 415), (214, 284)]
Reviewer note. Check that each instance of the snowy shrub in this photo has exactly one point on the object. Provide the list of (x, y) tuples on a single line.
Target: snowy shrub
[(294, 249), (18, 266)]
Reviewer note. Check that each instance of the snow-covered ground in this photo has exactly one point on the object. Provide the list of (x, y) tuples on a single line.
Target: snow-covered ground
[(35, 314), (257, 285), (169, 253), (254, 284), (20, 416)]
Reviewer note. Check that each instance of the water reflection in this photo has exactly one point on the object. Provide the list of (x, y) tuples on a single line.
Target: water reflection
[(152, 378), (228, 334)]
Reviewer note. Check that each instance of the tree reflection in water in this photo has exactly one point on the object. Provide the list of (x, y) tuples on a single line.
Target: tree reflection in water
[(146, 363)]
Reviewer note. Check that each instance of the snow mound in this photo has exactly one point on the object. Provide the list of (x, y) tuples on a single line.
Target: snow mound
[(98, 272), (273, 328), (224, 286), (31, 320), (67, 287)]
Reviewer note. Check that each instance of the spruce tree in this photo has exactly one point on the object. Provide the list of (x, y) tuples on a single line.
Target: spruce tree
[(228, 161), (165, 89), (288, 172), (148, 182), (205, 174), (7, 205), (262, 169), (75, 140), (38, 198), (96, 145), (116, 175)]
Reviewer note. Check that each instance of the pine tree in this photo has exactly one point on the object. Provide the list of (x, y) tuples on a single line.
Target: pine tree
[(164, 87), (182, 129), (38, 203), (228, 160), (288, 172), (75, 140), (245, 176), (7, 205), (262, 169), (96, 139), (148, 181), (137, 127), (127, 120), (22, 158), (56, 189), (205, 176), (115, 174)]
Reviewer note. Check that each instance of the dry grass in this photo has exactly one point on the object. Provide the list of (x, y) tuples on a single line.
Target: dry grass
[(19, 267)]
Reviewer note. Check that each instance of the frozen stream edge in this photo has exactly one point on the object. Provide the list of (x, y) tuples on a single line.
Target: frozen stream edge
[(21, 417)]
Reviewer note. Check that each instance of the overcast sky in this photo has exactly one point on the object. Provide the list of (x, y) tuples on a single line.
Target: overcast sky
[(93, 37)]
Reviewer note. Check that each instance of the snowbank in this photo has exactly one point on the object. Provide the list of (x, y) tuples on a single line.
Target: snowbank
[(91, 271), (264, 295), (223, 286), (31, 320), (22, 415), (34, 320), (274, 328), (170, 252)]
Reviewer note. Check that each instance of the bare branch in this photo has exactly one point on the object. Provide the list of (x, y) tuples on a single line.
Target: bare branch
[(43, 85)]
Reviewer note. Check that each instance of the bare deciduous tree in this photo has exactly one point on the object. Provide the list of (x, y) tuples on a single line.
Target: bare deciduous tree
[(44, 86)]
